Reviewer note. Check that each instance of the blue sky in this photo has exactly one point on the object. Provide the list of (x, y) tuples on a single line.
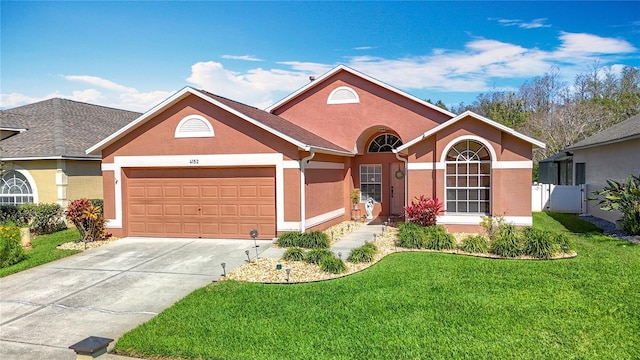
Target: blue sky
[(133, 55)]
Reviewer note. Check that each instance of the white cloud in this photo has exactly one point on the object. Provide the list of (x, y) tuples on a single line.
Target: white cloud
[(241, 57), (112, 95), (533, 24), (580, 44), (257, 87)]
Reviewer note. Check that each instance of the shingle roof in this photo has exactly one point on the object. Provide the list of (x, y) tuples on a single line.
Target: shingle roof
[(626, 130), (277, 123), (59, 127)]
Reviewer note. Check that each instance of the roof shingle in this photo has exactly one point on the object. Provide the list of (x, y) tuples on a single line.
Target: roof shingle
[(627, 129), (59, 127)]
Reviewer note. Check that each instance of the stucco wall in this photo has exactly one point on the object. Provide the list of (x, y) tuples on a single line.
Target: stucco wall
[(44, 175), (324, 191), (84, 180), (615, 161), (344, 124)]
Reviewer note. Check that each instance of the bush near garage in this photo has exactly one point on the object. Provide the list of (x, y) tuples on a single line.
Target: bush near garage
[(310, 240), (40, 218), (88, 219)]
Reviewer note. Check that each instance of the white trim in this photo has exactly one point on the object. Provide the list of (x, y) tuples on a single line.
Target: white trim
[(77, 158), (317, 220), (525, 164), (108, 167), (465, 114), (330, 99), (12, 129), (291, 164), (194, 134), (30, 179), (362, 76), (168, 161), (483, 141), (324, 165), (425, 166), (475, 219)]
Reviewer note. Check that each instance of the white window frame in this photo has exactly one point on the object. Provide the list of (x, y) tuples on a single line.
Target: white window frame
[(28, 180), (396, 143), (479, 174), (368, 181), (194, 134), (331, 100)]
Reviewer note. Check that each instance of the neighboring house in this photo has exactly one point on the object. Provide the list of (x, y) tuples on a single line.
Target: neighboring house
[(613, 153), (200, 165), (42, 147)]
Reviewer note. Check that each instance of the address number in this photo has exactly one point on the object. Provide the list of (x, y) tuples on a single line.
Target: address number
[(193, 161)]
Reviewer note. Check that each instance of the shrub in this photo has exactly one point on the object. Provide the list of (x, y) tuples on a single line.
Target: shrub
[(43, 218), (289, 239), (438, 238), (507, 243), (316, 240), (86, 217), (11, 251), (475, 244), (624, 197), (310, 240), (332, 265), (294, 254), (493, 225), (411, 236), (564, 242), (539, 243), (12, 214), (423, 210), (99, 203), (364, 253), (314, 256)]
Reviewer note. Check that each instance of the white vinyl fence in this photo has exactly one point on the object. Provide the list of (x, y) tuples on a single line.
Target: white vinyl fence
[(558, 198)]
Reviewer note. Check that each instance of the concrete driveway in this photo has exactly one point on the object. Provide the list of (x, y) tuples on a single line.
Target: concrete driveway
[(106, 291)]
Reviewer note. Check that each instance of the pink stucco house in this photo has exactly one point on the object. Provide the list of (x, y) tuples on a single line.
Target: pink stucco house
[(200, 165)]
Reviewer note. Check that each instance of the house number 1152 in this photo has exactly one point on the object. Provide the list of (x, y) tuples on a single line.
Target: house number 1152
[(193, 161)]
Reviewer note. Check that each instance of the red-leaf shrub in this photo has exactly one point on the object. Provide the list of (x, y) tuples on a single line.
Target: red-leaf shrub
[(423, 210), (87, 218)]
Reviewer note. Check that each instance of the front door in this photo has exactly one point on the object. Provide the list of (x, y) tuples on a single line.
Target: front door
[(396, 191)]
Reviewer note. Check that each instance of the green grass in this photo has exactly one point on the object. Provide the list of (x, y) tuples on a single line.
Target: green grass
[(419, 306), (44, 251)]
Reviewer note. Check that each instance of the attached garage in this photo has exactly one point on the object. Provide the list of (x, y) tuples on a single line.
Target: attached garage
[(200, 202)]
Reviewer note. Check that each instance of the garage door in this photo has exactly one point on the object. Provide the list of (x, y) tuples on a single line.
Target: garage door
[(200, 203)]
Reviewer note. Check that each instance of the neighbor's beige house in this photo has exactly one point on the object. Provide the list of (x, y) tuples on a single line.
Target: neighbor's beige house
[(614, 154), (42, 147)]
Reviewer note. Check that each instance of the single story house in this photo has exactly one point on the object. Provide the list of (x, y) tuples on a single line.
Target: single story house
[(42, 149), (201, 165), (613, 153)]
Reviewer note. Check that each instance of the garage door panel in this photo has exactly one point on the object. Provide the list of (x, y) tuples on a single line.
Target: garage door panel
[(192, 191), (248, 211), (172, 191), (209, 191), (229, 191), (154, 192), (190, 210), (228, 210), (225, 203), (172, 210), (210, 210)]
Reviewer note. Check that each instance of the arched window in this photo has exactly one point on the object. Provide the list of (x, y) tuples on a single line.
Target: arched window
[(15, 189), (468, 178), (384, 143), (193, 126), (343, 95)]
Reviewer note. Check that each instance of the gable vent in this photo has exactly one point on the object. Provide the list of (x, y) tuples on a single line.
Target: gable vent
[(343, 95), (194, 126)]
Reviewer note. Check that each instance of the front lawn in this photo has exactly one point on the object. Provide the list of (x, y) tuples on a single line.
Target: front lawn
[(418, 305), (44, 250)]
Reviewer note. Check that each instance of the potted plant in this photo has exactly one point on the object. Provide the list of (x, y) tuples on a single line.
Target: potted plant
[(355, 197)]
